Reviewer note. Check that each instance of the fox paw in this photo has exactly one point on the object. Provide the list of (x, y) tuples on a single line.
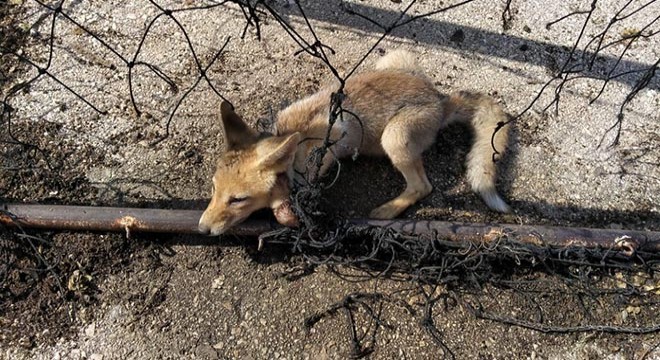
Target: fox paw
[(285, 215), (386, 211)]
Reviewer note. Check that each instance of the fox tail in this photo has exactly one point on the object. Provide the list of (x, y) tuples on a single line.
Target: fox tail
[(480, 112), (399, 60), (485, 116)]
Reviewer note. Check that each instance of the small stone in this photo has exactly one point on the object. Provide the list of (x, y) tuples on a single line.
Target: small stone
[(78, 354), (206, 352), (90, 330), (614, 347), (96, 357), (634, 310), (26, 342), (218, 282)]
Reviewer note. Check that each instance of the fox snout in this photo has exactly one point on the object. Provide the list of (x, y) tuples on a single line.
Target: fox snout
[(208, 226), (205, 228)]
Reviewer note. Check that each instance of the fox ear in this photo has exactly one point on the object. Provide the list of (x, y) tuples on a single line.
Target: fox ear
[(237, 132), (281, 152)]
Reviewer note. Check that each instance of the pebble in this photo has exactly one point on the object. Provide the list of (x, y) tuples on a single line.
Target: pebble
[(90, 330), (206, 352)]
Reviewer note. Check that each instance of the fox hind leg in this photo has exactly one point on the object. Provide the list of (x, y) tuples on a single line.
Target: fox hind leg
[(417, 187), (404, 142)]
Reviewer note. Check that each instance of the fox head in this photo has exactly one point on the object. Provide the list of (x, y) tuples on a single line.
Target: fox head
[(252, 174)]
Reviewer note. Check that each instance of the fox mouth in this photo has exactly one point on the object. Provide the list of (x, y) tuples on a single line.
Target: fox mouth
[(219, 228), (205, 230), (217, 231), (211, 231)]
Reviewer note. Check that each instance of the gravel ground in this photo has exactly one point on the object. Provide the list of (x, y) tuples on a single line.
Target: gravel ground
[(177, 297)]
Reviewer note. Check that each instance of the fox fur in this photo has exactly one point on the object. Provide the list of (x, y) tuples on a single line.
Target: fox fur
[(393, 111)]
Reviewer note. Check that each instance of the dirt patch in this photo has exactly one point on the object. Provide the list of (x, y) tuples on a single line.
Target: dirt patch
[(12, 38), (50, 281)]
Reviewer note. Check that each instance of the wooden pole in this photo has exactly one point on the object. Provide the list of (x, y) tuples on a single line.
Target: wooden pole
[(92, 218), (113, 219)]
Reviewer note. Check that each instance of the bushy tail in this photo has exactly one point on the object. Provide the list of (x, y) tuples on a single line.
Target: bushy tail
[(483, 114), (399, 60)]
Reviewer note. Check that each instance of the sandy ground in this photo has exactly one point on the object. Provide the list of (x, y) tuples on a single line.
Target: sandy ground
[(187, 298)]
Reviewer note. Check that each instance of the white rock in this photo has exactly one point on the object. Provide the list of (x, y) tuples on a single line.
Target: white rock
[(90, 330)]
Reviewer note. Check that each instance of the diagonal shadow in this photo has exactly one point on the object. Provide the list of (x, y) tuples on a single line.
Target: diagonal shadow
[(470, 39)]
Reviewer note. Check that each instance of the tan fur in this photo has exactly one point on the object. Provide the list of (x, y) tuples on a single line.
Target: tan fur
[(394, 111)]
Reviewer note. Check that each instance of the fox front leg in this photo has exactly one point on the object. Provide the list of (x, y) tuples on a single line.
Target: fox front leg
[(282, 207), (285, 215)]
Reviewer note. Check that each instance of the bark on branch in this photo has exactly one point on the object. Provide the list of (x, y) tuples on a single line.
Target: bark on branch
[(90, 218)]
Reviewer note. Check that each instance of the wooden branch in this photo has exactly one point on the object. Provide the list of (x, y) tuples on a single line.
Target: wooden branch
[(113, 219), (91, 218)]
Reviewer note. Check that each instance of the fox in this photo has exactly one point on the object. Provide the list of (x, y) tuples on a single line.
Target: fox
[(392, 110)]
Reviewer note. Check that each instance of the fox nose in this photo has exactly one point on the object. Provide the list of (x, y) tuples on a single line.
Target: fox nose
[(204, 230)]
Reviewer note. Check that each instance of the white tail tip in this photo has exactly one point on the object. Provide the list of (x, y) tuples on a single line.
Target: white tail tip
[(494, 201)]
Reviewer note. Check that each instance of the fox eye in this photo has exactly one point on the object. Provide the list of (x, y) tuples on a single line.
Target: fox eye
[(237, 199)]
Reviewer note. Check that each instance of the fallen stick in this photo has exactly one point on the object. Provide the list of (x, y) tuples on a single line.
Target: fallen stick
[(113, 219)]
